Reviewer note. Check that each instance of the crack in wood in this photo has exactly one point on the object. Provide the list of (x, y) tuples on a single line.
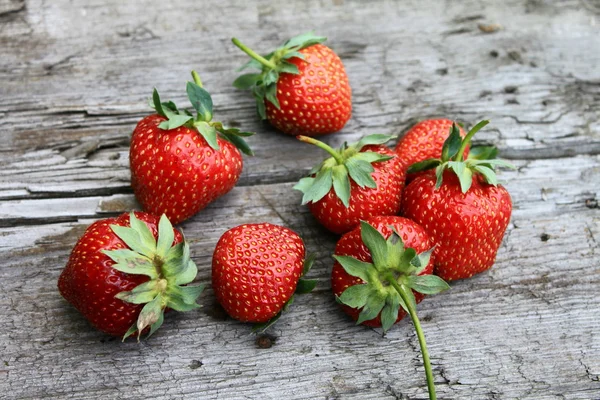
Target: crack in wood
[(562, 150), (12, 12), (588, 371), (64, 61)]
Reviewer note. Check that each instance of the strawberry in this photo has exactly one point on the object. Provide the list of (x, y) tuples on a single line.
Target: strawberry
[(382, 270), (302, 88), (410, 235), (358, 181), (180, 163), (423, 141), (256, 270), (462, 206), (124, 272)]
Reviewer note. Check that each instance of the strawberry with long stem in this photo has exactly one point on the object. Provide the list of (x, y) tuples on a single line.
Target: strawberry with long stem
[(383, 269), (357, 181), (302, 88)]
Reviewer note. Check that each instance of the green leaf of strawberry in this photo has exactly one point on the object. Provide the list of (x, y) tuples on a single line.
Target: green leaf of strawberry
[(246, 81), (208, 132), (376, 244), (341, 183), (354, 267), (132, 262), (355, 182), (202, 102), (452, 144), (344, 164), (319, 186), (427, 284), (483, 153), (453, 151), (303, 40), (141, 294), (157, 103), (174, 121)]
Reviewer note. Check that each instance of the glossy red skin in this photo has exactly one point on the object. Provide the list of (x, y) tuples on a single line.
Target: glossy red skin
[(364, 202), (351, 244), (255, 270), (423, 141), (90, 283), (175, 172), (467, 228), (318, 100)]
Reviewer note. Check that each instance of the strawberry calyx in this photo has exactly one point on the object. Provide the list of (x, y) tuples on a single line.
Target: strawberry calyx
[(264, 84), (168, 267), (202, 122), (394, 271), (389, 282), (304, 286), (349, 162), (483, 153), (480, 162)]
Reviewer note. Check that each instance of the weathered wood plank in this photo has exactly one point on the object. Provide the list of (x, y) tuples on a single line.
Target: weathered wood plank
[(550, 187), (47, 174)]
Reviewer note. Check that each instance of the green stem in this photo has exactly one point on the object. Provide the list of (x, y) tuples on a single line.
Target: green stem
[(415, 319), (338, 158), (468, 137), (254, 55), (196, 78)]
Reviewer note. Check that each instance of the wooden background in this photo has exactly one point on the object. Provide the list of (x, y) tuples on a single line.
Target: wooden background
[(75, 77)]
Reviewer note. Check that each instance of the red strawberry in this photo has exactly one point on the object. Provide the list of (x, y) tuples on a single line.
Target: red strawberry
[(353, 245), (256, 269), (424, 141), (462, 207), (302, 89), (124, 272), (180, 163), (358, 181), (382, 270)]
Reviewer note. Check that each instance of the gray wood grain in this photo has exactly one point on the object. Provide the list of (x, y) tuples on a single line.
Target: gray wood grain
[(74, 80)]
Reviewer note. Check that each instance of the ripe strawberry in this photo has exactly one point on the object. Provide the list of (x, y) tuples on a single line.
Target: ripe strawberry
[(124, 272), (409, 235), (256, 269), (461, 206), (358, 181), (302, 89), (382, 270), (180, 163)]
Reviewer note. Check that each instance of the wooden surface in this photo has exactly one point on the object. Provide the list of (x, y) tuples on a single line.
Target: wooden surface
[(75, 77)]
